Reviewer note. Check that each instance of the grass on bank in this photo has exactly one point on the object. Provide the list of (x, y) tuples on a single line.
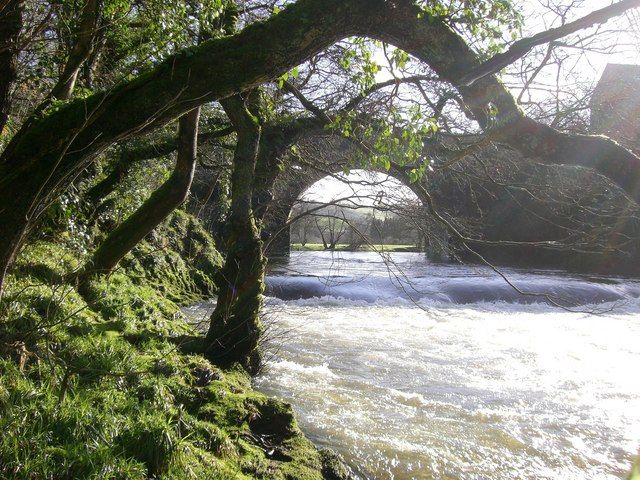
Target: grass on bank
[(102, 391)]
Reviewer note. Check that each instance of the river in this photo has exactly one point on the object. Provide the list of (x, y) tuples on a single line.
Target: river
[(414, 370)]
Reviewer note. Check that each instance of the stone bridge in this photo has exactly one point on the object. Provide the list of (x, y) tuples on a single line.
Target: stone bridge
[(560, 216), (318, 157)]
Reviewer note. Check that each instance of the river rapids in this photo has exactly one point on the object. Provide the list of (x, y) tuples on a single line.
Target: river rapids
[(415, 370)]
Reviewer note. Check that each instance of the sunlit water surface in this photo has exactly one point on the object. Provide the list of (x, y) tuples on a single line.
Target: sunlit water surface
[(415, 370)]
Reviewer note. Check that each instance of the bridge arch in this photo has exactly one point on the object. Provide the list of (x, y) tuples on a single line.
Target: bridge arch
[(316, 159)]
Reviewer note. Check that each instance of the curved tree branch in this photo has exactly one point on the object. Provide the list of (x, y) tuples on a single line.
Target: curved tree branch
[(155, 209), (523, 46)]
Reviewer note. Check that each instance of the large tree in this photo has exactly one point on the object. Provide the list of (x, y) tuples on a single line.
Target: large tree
[(235, 328), (54, 147)]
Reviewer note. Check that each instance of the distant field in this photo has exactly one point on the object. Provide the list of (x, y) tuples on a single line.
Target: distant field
[(315, 247)]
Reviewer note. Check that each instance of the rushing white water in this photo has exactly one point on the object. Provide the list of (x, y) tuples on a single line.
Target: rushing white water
[(452, 374)]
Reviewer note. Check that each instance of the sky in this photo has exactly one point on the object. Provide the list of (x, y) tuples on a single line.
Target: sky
[(368, 186), (593, 64)]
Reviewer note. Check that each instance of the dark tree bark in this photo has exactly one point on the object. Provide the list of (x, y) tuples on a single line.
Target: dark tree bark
[(81, 50), (128, 158), (155, 209), (50, 152), (10, 27), (235, 324)]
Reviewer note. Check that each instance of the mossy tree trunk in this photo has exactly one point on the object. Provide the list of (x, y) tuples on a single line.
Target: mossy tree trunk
[(10, 27), (51, 151), (235, 329), (155, 209)]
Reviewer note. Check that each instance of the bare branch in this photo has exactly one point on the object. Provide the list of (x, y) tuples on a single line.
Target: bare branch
[(523, 46)]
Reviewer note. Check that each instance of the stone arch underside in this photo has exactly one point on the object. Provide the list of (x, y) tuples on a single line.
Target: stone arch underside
[(317, 157)]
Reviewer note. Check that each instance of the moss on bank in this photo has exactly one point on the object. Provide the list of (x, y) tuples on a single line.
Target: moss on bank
[(101, 389)]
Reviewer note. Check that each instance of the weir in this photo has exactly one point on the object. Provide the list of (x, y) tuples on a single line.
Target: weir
[(454, 356)]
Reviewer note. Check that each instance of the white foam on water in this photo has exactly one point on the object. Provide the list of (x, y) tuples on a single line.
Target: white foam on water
[(314, 372)]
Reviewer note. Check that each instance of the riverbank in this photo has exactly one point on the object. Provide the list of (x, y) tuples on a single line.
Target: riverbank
[(97, 387)]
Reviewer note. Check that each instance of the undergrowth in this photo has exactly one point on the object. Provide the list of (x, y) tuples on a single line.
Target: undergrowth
[(101, 390)]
